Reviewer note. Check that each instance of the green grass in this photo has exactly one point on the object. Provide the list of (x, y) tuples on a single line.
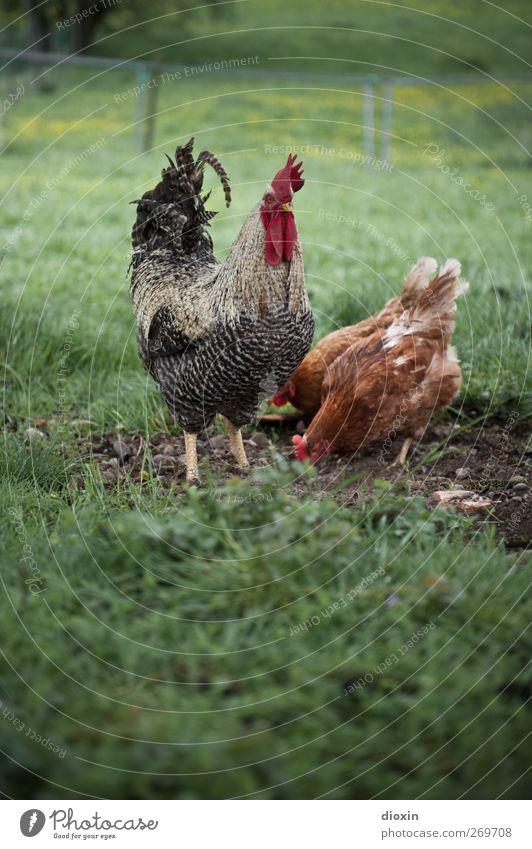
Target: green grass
[(172, 661), (448, 36), (159, 654)]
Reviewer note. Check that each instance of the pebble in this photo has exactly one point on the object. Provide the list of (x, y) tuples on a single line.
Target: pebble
[(520, 487), (162, 461), (169, 450), (76, 482), (121, 450), (34, 433), (463, 499), (259, 440), (218, 443), (517, 479), (462, 472)]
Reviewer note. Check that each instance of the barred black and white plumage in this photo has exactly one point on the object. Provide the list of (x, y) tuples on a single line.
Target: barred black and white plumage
[(217, 337)]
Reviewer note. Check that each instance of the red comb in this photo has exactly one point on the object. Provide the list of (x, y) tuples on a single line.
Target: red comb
[(288, 179), (295, 175)]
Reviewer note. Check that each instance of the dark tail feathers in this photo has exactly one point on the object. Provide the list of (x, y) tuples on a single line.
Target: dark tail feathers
[(173, 213)]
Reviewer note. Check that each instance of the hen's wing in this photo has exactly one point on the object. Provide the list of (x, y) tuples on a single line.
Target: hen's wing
[(309, 377)]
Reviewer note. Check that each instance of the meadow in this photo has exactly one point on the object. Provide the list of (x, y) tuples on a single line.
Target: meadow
[(178, 644)]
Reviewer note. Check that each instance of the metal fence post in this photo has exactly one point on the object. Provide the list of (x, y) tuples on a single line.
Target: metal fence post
[(147, 105), (387, 118), (369, 117)]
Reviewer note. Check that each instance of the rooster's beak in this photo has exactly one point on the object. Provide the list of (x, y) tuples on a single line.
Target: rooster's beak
[(286, 207)]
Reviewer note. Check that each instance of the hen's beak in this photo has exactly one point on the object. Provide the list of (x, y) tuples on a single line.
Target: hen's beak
[(286, 207)]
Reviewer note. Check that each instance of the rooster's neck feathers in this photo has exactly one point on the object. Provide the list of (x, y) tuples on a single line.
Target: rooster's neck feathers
[(174, 267)]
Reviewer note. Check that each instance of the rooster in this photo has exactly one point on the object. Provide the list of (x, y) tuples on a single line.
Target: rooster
[(303, 390), (389, 384), (215, 335)]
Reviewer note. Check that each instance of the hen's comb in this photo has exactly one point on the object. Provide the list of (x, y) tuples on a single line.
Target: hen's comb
[(300, 447)]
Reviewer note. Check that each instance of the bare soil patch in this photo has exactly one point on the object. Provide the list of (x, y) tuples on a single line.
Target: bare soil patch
[(493, 464)]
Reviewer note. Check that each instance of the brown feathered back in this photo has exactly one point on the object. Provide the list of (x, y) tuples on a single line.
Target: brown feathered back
[(390, 384), (306, 383)]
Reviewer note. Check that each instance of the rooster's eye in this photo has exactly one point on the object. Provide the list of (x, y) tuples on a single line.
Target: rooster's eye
[(270, 198)]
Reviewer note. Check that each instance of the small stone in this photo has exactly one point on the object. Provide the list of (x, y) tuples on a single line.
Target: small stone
[(462, 499), (259, 440), (516, 498), (441, 430), (98, 458), (462, 472), (169, 450), (517, 479), (162, 461), (121, 450), (182, 459), (75, 483), (218, 443), (110, 475), (520, 487), (34, 433)]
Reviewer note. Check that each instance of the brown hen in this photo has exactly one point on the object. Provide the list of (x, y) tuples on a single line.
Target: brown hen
[(389, 384), (304, 389)]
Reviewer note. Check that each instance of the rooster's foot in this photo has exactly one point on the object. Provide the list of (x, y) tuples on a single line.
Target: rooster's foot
[(237, 445), (192, 475)]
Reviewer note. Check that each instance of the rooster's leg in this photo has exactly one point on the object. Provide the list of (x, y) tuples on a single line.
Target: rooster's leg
[(192, 457), (237, 446), (401, 457)]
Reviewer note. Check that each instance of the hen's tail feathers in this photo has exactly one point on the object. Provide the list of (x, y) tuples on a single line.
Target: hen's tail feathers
[(418, 277), (173, 214), (436, 305)]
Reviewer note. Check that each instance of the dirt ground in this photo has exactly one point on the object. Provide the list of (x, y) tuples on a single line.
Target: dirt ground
[(492, 464)]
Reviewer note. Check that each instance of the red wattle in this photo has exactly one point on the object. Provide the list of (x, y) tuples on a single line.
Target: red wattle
[(290, 235), (281, 235)]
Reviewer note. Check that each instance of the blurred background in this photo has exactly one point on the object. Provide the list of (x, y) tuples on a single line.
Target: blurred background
[(413, 121)]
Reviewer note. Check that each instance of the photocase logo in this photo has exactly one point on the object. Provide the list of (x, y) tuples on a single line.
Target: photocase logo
[(32, 822)]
